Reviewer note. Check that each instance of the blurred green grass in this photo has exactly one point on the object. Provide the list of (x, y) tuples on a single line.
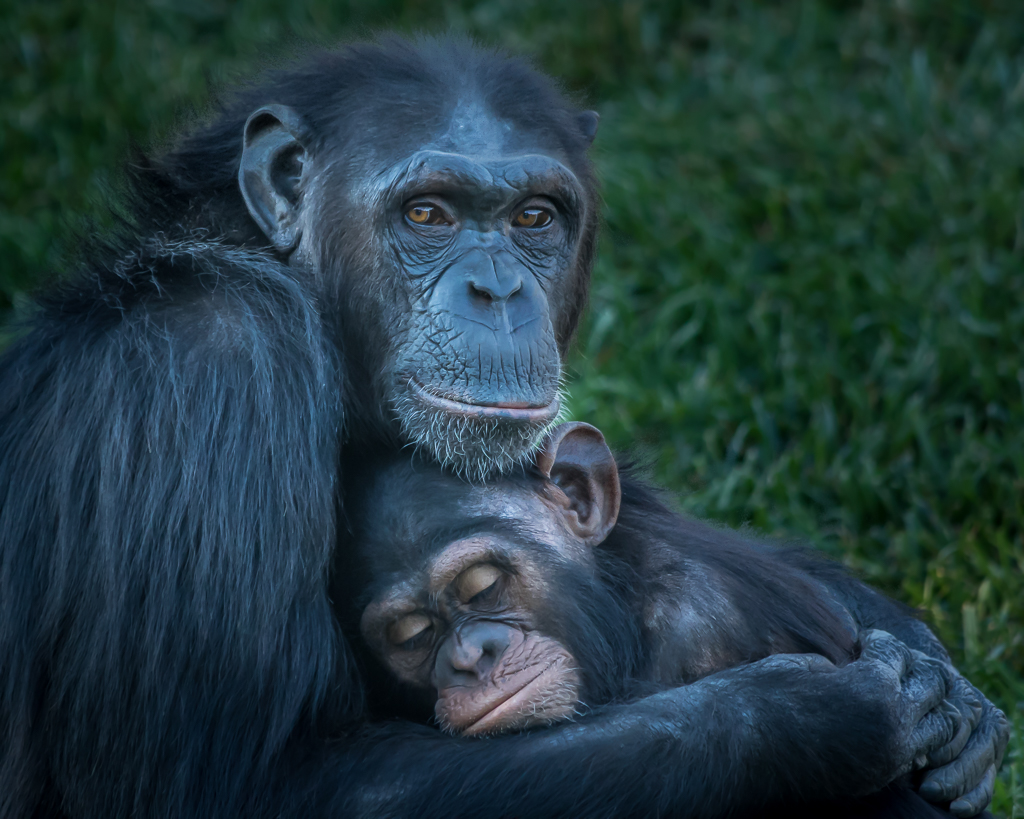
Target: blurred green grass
[(809, 301)]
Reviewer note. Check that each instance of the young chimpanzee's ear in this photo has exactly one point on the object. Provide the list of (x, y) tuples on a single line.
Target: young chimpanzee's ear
[(576, 459), (270, 173)]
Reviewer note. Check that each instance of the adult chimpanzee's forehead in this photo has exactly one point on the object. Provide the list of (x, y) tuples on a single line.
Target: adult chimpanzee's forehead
[(474, 129), (465, 127)]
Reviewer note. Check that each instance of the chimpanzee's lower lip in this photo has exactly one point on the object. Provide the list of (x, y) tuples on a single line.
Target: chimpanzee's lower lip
[(514, 705), (509, 412)]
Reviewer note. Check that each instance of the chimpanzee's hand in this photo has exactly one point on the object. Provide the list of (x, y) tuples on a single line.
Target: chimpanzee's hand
[(786, 729), (929, 720), (964, 769), (825, 732)]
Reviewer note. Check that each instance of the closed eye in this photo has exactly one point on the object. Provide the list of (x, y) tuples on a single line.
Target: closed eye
[(411, 632), (477, 582), (487, 596)]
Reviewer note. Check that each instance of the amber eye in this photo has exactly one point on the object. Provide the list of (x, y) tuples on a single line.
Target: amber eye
[(531, 218), (476, 580), (424, 214), (409, 629)]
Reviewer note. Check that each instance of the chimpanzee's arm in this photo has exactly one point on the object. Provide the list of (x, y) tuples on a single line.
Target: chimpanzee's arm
[(732, 742), (963, 771)]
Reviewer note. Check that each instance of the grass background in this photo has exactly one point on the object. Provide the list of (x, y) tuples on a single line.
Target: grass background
[(808, 308)]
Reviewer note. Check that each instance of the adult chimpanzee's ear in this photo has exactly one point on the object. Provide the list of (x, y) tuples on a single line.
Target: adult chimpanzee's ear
[(576, 459), (270, 173), (588, 121)]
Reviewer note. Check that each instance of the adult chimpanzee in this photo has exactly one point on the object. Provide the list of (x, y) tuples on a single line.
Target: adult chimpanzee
[(508, 606), (387, 244)]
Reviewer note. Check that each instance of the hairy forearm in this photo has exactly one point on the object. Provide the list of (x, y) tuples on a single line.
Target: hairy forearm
[(733, 742), (625, 760)]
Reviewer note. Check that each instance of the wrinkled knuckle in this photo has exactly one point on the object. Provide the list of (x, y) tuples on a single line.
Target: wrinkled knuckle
[(952, 717), (873, 637), (966, 697), (929, 666), (949, 751), (875, 643), (950, 782), (880, 681)]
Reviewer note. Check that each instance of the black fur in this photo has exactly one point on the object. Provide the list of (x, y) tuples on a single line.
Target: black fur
[(778, 606), (171, 446)]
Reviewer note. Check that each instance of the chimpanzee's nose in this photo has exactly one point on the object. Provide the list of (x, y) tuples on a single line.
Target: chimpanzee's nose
[(490, 284), (470, 654)]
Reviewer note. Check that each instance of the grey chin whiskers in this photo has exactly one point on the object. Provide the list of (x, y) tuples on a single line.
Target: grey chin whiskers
[(474, 449)]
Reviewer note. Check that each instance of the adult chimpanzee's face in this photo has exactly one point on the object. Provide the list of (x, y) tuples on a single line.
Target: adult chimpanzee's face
[(483, 242), (489, 596), (456, 250)]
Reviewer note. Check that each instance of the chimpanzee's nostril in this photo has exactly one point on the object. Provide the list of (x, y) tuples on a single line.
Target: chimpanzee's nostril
[(479, 293), (493, 288)]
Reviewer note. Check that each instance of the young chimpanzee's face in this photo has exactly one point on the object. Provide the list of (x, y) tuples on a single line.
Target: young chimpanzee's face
[(489, 595)]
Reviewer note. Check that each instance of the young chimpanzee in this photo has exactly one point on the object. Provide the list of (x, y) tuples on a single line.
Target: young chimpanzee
[(525, 601)]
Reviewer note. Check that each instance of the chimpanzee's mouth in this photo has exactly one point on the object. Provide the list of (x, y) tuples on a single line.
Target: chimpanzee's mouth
[(510, 411), (519, 709)]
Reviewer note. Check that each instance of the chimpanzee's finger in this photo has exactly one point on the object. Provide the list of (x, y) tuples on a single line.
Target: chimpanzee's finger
[(931, 681), (965, 772), (935, 730), (977, 800), (965, 775), (969, 701)]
